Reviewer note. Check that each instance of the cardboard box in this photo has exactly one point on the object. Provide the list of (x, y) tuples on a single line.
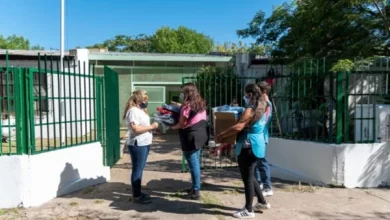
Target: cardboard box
[(223, 121)]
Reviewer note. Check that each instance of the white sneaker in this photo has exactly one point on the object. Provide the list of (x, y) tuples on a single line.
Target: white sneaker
[(258, 207), (244, 214), (261, 186), (268, 192)]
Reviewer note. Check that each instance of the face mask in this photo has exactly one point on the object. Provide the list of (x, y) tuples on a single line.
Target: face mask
[(246, 99), (181, 96), (143, 105)]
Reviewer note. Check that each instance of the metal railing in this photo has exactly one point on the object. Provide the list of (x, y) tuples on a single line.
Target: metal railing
[(45, 109), (312, 103)]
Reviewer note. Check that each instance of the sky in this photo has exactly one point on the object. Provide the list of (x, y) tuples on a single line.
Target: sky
[(92, 21)]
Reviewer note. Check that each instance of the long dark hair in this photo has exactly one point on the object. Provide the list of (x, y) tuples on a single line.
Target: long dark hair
[(264, 87), (258, 100), (192, 98)]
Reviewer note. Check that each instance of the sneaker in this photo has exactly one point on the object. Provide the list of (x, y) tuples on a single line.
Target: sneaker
[(143, 199), (261, 186), (268, 192), (258, 207), (244, 214), (193, 195)]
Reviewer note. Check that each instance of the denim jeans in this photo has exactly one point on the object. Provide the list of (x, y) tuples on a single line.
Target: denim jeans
[(263, 173), (193, 161), (139, 155)]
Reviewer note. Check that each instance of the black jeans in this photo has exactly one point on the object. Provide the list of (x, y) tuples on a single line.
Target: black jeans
[(247, 163)]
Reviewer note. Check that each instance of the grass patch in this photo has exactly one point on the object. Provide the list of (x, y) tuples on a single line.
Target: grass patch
[(98, 201), (232, 192), (73, 204), (210, 200), (177, 195), (237, 183), (9, 211), (48, 143)]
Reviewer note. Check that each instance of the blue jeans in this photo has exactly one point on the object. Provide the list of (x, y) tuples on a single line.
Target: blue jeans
[(193, 161), (263, 173), (139, 155)]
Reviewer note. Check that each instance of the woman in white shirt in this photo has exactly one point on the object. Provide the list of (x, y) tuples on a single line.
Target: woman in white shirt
[(139, 140)]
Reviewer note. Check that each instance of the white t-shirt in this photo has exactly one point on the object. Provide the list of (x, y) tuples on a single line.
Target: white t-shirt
[(138, 117)]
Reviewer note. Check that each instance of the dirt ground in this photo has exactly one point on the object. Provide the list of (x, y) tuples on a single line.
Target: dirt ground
[(222, 195)]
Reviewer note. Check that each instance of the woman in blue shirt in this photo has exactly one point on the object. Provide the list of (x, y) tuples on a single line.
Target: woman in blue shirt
[(250, 147)]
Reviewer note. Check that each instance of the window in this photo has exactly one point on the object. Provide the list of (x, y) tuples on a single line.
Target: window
[(40, 92), (7, 92)]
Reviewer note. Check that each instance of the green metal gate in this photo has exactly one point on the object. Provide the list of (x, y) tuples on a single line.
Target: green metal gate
[(108, 93)]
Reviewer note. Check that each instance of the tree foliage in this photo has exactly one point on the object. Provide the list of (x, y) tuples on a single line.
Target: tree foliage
[(15, 42), (123, 43), (337, 29), (232, 48), (37, 47), (165, 40), (181, 40)]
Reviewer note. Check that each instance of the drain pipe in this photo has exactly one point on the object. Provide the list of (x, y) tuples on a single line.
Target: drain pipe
[(62, 43)]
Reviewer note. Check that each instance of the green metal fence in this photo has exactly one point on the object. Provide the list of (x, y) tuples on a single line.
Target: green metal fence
[(304, 103), (45, 109), (311, 103), (218, 90)]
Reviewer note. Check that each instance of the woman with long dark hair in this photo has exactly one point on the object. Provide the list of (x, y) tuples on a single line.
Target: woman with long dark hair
[(250, 147), (193, 133)]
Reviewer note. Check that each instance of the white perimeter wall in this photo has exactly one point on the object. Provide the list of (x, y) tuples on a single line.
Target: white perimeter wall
[(33, 180), (349, 165)]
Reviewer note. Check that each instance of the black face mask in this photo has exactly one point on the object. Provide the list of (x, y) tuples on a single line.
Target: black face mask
[(143, 105)]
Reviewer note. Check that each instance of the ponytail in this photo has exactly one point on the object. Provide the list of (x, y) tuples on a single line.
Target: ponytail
[(258, 99)]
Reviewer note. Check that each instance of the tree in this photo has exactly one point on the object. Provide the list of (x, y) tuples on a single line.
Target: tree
[(181, 40), (336, 29), (123, 43), (165, 40), (37, 47), (14, 42), (232, 48)]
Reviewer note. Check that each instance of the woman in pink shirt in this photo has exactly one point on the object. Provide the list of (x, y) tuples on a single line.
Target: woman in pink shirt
[(193, 133)]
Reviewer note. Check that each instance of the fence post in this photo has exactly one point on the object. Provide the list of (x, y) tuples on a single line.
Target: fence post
[(346, 108), (20, 122), (30, 109), (339, 107)]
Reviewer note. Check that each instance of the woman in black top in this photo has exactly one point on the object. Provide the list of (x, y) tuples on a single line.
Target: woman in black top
[(193, 133)]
